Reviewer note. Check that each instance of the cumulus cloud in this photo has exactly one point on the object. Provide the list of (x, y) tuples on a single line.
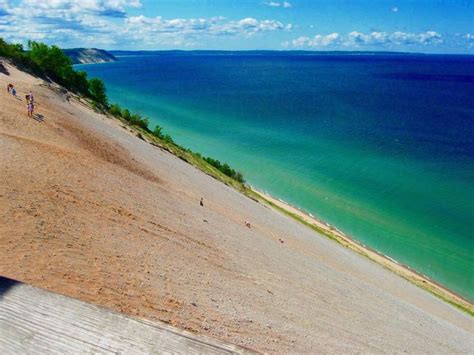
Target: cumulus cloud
[(316, 41), (106, 23), (394, 9), (359, 40), (469, 38), (68, 8), (147, 28), (61, 21), (283, 4)]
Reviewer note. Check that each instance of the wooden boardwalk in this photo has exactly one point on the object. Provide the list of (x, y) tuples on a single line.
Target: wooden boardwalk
[(36, 321)]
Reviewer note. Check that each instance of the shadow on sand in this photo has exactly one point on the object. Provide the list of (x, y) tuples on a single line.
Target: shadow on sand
[(6, 284), (4, 70), (38, 117)]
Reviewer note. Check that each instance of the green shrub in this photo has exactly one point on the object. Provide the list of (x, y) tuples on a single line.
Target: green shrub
[(137, 120), (58, 67), (158, 132), (115, 110), (226, 169), (98, 93), (51, 60), (77, 82), (16, 53), (126, 115), (167, 138)]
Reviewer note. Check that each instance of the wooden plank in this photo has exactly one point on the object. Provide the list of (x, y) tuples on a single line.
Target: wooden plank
[(37, 321)]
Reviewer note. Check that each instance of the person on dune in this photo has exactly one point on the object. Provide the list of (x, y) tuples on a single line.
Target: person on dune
[(30, 104)]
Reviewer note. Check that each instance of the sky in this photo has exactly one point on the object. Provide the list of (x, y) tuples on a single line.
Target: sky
[(427, 26)]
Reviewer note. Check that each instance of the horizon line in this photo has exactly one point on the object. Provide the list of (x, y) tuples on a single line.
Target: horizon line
[(272, 50)]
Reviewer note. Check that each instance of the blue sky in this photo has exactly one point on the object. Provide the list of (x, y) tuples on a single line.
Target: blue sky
[(430, 26)]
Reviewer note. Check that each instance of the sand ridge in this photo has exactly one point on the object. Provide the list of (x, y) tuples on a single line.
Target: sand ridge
[(89, 210)]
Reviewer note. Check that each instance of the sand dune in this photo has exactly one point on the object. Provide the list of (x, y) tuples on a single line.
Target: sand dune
[(90, 211)]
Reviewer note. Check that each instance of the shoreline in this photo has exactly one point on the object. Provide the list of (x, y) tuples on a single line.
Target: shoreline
[(386, 261)]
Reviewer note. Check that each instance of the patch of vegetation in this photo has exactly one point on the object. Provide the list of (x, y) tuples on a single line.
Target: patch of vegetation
[(226, 169), (16, 53), (51, 63), (97, 93), (165, 140)]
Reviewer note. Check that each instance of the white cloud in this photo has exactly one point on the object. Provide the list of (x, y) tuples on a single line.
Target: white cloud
[(394, 9), (148, 28), (425, 38), (359, 40), (74, 7), (469, 38), (283, 4), (316, 41), (106, 23), (248, 22)]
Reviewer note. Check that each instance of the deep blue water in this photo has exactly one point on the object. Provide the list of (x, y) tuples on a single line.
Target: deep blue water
[(381, 146)]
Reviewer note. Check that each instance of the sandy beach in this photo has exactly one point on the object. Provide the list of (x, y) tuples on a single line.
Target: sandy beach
[(89, 210)]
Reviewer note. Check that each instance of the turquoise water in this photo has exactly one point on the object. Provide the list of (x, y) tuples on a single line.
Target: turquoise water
[(380, 146)]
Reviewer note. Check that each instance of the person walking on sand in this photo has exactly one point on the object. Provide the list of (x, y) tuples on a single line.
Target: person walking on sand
[(31, 107), (201, 202), (13, 91), (9, 88)]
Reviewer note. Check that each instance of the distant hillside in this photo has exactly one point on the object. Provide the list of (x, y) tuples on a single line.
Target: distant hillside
[(89, 55)]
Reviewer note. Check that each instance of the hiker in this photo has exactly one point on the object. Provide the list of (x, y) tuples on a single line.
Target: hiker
[(9, 88), (30, 103), (247, 223), (201, 203), (31, 107), (13, 91), (29, 97)]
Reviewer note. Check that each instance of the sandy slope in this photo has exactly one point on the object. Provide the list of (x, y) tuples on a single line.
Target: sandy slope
[(91, 211)]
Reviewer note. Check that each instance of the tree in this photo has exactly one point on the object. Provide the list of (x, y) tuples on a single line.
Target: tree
[(77, 81), (126, 115), (239, 177), (52, 61), (58, 67), (137, 120), (167, 138), (98, 93), (18, 56), (158, 131), (115, 110), (10, 50), (143, 123)]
